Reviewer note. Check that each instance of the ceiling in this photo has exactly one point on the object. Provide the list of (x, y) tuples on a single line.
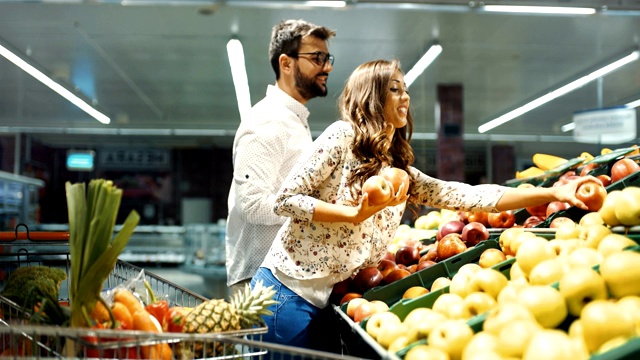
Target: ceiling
[(160, 70)]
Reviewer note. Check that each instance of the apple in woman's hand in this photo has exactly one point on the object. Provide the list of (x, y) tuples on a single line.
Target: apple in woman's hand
[(378, 189), (397, 177), (592, 194)]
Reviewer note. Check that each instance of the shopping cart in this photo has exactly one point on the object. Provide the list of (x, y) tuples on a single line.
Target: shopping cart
[(20, 339)]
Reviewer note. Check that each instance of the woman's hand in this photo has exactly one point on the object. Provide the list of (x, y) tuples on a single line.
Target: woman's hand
[(366, 210), (567, 192)]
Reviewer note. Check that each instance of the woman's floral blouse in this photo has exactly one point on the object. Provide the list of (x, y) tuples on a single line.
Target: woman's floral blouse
[(305, 249)]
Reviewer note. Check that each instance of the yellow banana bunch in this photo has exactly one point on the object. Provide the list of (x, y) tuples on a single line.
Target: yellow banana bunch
[(530, 172), (547, 162)]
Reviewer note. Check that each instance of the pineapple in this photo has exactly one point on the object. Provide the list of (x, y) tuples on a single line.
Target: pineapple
[(244, 311)]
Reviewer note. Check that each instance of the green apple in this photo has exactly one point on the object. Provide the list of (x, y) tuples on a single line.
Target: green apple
[(593, 234), (627, 207), (548, 271), (584, 257), (421, 352), (552, 344), (581, 285), (379, 320), (608, 210), (545, 303), (420, 321), (479, 302), (514, 337), (489, 281), (504, 314), (603, 320), (591, 218), (614, 243), (452, 306), (451, 336), (621, 273), (480, 343), (532, 252)]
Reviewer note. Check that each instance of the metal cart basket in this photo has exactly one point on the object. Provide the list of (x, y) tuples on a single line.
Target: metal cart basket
[(20, 339)]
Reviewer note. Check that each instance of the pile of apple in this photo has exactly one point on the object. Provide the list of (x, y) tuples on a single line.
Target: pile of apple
[(554, 306)]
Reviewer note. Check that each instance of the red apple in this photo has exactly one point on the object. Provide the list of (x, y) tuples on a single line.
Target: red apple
[(454, 226), (533, 221), (342, 287), (367, 278), (537, 210), (605, 179), (450, 245), (397, 177), (432, 253), (473, 233), (464, 216), (378, 189), (364, 310), (478, 216), (412, 268), (386, 266), (425, 264), (390, 256), (561, 221), (348, 296), (567, 174), (587, 168), (407, 255), (396, 275), (556, 206), (502, 220), (623, 168), (592, 194)]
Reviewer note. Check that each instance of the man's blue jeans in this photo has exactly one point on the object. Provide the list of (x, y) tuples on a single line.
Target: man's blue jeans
[(292, 316)]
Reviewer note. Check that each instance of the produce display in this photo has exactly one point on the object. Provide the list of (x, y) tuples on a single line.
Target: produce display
[(561, 283)]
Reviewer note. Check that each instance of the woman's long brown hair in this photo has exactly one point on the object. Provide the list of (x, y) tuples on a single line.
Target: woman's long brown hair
[(362, 104)]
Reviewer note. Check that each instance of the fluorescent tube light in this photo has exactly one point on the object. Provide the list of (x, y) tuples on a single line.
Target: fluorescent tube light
[(558, 92), (422, 64), (326, 3), (633, 104), (53, 85), (239, 74), (540, 9)]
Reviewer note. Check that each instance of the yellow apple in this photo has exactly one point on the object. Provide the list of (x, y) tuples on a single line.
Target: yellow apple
[(568, 231), (515, 336), (608, 210), (489, 281), (593, 234), (579, 286), (504, 314), (440, 283), (353, 304), (479, 302), (533, 251), (506, 237), (612, 344), (603, 320), (389, 332), (547, 271), (422, 352), (399, 343), (431, 220), (627, 207), (621, 273), (518, 240), (545, 303), (614, 243), (451, 336), (469, 268), (516, 272), (510, 292), (481, 342), (631, 305), (460, 284), (381, 305), (551, 344), (591, 218), (420, 321), (378, 320), (584, 257), (452, 306)]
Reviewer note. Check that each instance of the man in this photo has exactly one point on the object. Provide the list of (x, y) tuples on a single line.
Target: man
[(269, 142)]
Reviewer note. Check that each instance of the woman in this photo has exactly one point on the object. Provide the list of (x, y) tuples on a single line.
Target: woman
[(332, 231)]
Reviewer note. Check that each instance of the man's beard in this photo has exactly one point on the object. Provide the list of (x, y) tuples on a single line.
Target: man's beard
[(307, 87)]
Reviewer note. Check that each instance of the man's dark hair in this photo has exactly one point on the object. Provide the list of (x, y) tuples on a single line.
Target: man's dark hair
[(287, 35)]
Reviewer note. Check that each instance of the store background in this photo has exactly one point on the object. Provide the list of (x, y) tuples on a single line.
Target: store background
[(160, 70)]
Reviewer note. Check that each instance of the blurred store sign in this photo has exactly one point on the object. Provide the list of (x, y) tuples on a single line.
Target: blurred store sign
[(605, 126), (139, 159)]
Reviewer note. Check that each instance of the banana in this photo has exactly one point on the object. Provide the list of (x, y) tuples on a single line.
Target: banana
[(530, 172), (547, 162), (605, 151), (586, 156)]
